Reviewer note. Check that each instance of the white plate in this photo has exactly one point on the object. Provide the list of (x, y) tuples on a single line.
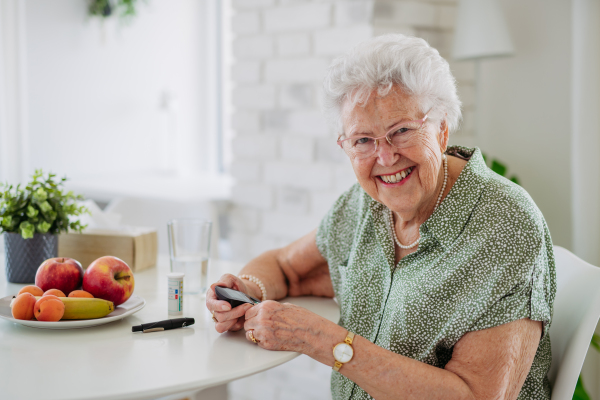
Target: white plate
[(131, 306)]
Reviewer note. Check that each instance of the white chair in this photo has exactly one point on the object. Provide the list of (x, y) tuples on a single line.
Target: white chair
[(576, 313)]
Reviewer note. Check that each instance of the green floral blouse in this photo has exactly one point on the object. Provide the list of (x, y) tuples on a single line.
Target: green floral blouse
[(485, 259)]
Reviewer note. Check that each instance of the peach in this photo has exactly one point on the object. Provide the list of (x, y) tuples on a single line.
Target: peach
[(23, 306), (34, 290), (81, 293), (54, 292), (49, 308)]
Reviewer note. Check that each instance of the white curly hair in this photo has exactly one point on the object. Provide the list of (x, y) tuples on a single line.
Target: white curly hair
[(387, 60)]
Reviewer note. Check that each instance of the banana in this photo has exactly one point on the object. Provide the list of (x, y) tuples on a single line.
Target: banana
[(84, 308)]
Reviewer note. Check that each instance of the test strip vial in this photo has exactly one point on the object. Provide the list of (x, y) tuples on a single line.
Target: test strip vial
[(175, 293)]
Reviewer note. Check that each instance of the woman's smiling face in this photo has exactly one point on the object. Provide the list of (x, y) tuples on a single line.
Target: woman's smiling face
[(381, 175)]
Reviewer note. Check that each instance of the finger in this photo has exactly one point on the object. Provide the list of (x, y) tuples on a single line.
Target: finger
[(229, 281), (253, 334), (225, 326), (235, 313), (213, 304), (252, 312), (238, 325), (250, 324)]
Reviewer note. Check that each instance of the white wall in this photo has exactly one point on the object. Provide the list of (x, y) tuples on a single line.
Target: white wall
[(96, 91), (526, 107)]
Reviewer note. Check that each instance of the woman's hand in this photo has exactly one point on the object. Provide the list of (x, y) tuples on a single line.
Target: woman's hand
[(228, 319), (283, 326)]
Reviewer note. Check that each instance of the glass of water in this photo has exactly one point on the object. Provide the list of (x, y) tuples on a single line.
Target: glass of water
[(189, 248)]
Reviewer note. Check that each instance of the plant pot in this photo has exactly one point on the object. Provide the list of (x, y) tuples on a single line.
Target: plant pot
[(24, 256)]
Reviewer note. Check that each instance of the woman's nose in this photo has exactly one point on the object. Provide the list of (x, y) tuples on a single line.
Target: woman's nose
[(387, 155)]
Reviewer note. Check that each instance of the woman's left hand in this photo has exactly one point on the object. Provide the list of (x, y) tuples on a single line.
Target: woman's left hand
[(282, 326)]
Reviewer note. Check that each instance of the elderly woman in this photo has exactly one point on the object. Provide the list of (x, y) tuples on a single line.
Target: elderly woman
[(443, 270)]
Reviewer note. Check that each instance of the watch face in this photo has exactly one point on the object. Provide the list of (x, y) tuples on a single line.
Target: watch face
[(343, 352)]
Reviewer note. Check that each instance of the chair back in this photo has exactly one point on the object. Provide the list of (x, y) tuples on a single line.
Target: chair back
[(576, 313)]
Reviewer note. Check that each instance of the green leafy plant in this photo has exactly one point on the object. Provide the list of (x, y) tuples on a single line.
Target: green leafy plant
[(499, 168), (106, 8), (41, 206), (580, 392)]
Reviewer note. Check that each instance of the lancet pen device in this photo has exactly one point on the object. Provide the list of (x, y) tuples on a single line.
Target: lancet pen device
[(163, 325)]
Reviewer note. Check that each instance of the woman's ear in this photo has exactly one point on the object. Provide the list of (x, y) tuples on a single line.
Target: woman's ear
[(444, 134)]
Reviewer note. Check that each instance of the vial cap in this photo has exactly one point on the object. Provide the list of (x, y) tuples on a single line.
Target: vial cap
[(176, 275)]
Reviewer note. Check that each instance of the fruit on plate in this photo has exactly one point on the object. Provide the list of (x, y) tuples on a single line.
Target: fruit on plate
[(54, 292), (34, 290), (81, 293), (49, 308), (22, 306), (85, 308), (78, 307), (109, 278), (62, 273)]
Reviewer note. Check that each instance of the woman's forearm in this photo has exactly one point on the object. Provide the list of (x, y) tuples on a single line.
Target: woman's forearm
[(267, 269), (382, 373)]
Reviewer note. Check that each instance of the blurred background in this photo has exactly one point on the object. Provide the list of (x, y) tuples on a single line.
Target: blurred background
[(159, 109)]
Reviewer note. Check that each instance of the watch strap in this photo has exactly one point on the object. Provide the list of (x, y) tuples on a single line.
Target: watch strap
[(349, 338)]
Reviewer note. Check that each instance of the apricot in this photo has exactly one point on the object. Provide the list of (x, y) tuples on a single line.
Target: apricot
[(81, 293), (49, 308), (34, 290), (23, 306), (54, 292)]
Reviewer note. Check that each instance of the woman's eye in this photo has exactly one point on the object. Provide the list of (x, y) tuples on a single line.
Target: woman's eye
[(363, 140), (402, 130)]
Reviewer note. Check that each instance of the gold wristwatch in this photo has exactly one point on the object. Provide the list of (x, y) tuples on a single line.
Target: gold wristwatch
[(343, 352)]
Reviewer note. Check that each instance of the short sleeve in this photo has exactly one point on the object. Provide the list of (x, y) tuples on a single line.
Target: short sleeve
[(336, 230), (521, 276)]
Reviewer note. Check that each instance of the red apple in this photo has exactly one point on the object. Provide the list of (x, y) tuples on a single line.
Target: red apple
[(64, 274), (109, 278)]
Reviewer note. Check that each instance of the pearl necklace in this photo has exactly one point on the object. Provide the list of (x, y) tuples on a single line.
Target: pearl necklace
[(439, 199)]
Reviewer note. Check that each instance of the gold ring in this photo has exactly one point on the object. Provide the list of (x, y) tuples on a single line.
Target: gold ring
[(213, 317), (255, 340)]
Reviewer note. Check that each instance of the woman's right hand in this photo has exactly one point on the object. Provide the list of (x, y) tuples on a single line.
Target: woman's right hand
[(228, 319)]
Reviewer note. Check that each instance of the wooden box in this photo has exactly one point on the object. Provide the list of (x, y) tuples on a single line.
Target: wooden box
[(138, 247)]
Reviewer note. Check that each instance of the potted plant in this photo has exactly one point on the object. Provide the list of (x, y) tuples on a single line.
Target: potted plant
[(31, 219)]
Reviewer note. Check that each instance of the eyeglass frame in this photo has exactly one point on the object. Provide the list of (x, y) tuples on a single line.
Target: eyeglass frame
[(387, 135)]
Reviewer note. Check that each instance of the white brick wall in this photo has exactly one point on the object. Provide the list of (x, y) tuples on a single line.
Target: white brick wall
[(314, 176), (253, 47), (256, 97), (295, 70), (252, 146), (353, 12), (339, 40), (246, 72), (296, 96), (245, 23), (246, 121), (297, 18), (251, 4), (293, 44), (288, 168)]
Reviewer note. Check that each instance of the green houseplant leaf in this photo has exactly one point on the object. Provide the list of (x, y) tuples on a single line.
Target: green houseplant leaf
[(499, 168), (580, 392), (41, 206)]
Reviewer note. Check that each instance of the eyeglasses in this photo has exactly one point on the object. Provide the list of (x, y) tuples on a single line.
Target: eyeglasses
[(400, 136)]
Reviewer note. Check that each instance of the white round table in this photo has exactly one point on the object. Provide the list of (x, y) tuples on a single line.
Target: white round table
[(110, 362)]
